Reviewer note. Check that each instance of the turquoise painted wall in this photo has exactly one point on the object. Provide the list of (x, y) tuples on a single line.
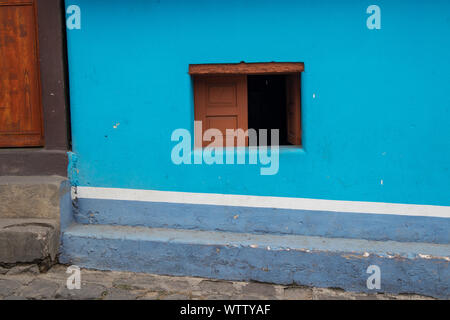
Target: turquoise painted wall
[(381, 112)]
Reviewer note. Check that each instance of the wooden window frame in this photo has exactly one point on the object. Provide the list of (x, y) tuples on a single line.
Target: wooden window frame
[(292, 70)]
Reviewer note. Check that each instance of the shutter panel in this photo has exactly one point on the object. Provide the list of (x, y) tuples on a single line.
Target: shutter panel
[(294, 132), (221, 103)]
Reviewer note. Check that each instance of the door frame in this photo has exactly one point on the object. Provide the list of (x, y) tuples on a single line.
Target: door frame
[(52, 158), (41, 143)]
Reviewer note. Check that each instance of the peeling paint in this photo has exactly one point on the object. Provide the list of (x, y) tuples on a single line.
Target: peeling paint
[(430, 257), (72, 170)]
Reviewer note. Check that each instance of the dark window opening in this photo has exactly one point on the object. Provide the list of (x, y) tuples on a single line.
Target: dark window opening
[(267, 105)]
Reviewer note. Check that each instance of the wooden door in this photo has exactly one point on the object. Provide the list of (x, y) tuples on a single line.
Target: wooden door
[(20, 93), (293, 109), (221, 103)]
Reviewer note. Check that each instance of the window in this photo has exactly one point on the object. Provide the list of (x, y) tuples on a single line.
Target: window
[(249, 96)]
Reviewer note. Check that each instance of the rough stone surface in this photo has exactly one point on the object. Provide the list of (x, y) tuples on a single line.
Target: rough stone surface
[(149, 296), (123, 294), (260, 289), (176, 296), (21, 269), (217, 287), (88, 291), (298, 293), (39, 289), (137, 282), (8, 287), (30, 197), (14, 298), (107, 285), (28, 240)]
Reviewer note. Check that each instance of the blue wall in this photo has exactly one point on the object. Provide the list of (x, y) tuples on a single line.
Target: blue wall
[(381, 111)]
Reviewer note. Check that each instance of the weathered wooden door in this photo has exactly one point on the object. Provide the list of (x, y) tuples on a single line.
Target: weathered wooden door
[(221, 103), (20, 93)]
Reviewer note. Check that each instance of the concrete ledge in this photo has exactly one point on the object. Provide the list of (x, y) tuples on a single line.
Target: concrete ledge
[(28, 241), (33, 162), (377, 227), (31, 197), (419, 268)]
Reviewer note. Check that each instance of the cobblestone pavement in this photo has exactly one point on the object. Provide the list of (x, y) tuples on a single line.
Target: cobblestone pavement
[(25, 282)]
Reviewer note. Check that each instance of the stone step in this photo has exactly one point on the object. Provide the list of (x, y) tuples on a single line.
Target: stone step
[(32, 197), (406, 267), (28, 241)]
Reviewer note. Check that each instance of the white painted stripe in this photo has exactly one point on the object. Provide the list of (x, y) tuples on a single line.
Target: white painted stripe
[(262, 202)]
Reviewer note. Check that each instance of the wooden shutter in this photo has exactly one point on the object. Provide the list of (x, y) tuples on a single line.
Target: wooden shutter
[(221, 103), (294, 132), (20, 96)]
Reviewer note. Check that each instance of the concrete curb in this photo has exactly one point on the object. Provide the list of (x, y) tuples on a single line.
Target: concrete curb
[(310, 261)]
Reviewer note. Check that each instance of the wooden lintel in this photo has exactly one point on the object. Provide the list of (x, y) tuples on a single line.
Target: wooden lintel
[(246, 68)]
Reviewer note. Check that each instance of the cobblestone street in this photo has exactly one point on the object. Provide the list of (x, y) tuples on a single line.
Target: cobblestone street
[(25, 282)]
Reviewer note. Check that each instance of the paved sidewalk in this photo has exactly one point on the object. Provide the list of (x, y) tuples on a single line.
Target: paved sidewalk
[(25, 282)]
